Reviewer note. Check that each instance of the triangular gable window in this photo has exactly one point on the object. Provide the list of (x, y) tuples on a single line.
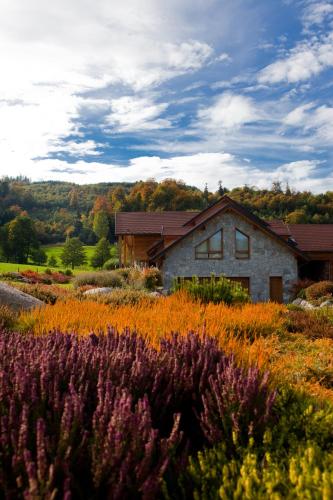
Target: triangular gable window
[(242, 245), (212, 248)]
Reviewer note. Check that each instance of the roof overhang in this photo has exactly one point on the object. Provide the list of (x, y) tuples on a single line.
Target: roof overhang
[(233, 206)]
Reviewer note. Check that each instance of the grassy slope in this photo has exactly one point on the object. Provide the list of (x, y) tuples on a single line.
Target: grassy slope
[(54, 250)]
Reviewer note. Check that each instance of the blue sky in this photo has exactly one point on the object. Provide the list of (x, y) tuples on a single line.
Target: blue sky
[(198, 90)]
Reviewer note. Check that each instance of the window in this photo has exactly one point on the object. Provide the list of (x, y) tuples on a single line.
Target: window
[(242, 245), (211, 248)]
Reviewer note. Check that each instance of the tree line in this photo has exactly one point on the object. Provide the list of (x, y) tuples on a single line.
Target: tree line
[(37, 213)]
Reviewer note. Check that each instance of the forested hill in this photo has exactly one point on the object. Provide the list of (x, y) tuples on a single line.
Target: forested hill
[(59, 209)]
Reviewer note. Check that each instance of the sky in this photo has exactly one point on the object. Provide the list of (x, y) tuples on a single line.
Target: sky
[(238, 91)]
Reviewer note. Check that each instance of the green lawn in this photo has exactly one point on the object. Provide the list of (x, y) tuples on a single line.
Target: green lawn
[(56, 251)]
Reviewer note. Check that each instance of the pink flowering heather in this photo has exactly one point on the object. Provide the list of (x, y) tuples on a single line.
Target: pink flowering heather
[(111, 417)]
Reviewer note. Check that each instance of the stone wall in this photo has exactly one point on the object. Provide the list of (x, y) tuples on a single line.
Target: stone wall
[(268, 257)]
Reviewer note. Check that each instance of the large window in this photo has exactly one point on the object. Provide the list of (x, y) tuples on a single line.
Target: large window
[(212, 248), (242, 245)]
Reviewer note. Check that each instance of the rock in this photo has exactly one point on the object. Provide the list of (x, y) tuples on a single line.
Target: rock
[(327, 303), (303, 303), (297, 302), (100, 290), (17, 300)]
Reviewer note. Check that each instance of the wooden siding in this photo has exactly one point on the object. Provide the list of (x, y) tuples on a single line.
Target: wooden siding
[(133, 248)]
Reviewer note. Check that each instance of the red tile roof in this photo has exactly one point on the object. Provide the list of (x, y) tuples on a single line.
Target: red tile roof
[(307, 237), (151, 222), (313, 237), (279, 227)]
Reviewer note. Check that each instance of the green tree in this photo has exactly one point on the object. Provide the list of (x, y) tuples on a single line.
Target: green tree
[(22, 238), (101, 225), (52, 262), (38, 256), (73, 253), (101, 253)]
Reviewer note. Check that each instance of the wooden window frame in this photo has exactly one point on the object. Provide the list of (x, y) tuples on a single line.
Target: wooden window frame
[(209, 251), (238, 254)]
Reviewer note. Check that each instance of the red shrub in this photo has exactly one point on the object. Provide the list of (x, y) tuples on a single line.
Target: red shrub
[(60, 278), (318, 290), (300, 285)]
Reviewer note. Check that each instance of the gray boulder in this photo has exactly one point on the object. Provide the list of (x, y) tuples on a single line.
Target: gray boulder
[(17, 300), (303, 303), (100, 290)]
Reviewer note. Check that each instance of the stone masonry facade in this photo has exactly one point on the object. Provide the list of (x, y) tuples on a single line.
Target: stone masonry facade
[(268, 257)]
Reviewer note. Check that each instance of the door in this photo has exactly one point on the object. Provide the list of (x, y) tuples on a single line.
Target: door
[(276, 289)]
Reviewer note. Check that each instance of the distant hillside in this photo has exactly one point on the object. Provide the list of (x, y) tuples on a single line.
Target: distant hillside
[(61, 208)]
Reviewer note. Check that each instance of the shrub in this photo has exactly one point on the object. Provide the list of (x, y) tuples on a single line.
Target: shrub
[(176, 311), (48, 271), (124, 272), (124, 297), (312, 324), (306, 472), (68, 272), (299, 287), (111, 263), (294, 459), (151, 278), (319, 290), (8, 318), (33, 276), (104, 417), (60, 278), (99, 279), (47, 293), (214, 289)]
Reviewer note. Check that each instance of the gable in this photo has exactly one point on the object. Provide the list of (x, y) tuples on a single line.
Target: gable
[(227, 223), (225, 205)]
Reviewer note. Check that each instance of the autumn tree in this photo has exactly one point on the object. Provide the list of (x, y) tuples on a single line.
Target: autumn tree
[(101, 225)]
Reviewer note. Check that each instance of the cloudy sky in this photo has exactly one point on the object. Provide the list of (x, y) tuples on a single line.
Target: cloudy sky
[(199, 90)]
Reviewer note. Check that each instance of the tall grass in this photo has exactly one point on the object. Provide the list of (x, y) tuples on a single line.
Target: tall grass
[(246, 330)]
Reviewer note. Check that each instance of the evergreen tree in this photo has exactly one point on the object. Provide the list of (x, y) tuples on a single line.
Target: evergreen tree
[(38, 256), (73, 253), (22, 238), (206, 194), (101, 225), (52, 262), (101, 254)]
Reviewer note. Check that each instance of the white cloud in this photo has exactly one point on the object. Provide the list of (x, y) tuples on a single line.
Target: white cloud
[(229, 111), (78, 149), (193, 169), (315, 120), (298, 116), (307, 59), (317, 13), (52, 55), (130, 113)]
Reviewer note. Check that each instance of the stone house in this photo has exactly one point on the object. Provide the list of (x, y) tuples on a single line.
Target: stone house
[(266, 257)]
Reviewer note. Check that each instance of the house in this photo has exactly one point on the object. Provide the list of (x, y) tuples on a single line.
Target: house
[(267, 257)]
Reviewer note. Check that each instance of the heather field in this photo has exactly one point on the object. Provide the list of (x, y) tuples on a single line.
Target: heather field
[(165, 398)]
